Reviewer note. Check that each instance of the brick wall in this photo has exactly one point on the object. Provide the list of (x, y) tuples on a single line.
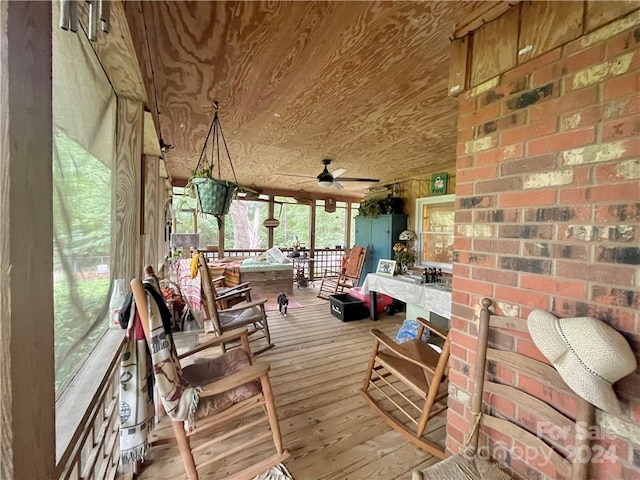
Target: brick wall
[(548, 213)]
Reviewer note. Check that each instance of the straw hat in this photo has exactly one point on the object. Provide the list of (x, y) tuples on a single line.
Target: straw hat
[(589, 355)]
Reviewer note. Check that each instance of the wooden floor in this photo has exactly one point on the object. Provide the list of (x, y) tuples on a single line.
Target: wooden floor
[(317, 367)]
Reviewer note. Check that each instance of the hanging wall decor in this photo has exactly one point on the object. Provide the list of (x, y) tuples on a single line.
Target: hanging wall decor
[(214, 195), (439, 183), (99, 12)]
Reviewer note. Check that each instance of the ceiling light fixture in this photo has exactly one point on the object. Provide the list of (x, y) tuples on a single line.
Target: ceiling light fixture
[(325, 179)]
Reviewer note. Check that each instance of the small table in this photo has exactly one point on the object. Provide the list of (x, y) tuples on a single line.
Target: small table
[(302, 266), (432, 297)]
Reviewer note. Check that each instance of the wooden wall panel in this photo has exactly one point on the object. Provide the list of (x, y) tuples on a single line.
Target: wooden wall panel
[(546, 25), (27, 396), (163, 217), (599, 12), (483, 13), (127, 249), (495, 47), (151, 211), (458, 57), (412, 189), (116, 52)]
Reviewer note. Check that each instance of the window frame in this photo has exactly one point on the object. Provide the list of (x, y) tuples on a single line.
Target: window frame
[(433, 200)]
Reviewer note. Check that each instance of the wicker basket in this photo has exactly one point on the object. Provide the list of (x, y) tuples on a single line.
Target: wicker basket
[(214, 196)]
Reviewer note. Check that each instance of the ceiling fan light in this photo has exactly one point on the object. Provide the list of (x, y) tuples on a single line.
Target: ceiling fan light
[(325, 182)]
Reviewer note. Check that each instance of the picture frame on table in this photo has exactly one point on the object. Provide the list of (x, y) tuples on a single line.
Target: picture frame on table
[(386, 267)]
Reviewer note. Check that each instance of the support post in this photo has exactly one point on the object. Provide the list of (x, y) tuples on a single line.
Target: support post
[(27, 390)]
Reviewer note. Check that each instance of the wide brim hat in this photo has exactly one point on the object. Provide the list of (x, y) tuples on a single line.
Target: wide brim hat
[(589, 355)]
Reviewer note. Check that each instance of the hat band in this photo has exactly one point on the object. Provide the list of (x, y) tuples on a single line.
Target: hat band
[(586, 367)]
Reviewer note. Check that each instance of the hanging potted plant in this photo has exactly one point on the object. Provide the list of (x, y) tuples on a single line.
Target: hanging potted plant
[(214, 195)]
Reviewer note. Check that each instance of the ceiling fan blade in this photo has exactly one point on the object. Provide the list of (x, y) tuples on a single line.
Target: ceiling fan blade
[(337, 185), (292, 175), (338, 171), (348, 179)]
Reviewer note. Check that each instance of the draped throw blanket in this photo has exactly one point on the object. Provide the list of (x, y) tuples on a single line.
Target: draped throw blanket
[(179, 399), (136, 393)]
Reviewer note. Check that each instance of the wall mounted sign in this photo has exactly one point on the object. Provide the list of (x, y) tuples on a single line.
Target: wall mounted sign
[(439, 182)]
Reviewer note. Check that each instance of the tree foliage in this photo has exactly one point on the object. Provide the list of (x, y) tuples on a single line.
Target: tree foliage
[(82, 241)]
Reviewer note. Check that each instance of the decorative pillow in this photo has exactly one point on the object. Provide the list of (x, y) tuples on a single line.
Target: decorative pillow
[(275, 255), (205, 371)]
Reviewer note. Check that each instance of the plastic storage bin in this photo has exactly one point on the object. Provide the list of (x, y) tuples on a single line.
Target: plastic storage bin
[(382, 300), (347, 308)]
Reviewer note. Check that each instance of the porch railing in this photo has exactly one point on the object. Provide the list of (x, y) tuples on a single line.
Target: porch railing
[(87, 444), (323, 258)]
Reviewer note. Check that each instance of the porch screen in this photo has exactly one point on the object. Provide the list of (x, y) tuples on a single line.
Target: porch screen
[(84, 114)]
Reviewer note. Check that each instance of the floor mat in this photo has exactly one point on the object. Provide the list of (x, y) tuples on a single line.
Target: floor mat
[(272, 303)]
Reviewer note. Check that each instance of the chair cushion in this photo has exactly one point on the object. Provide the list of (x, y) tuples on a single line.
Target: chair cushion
[(240, 318), (462, 467), (208, 370)]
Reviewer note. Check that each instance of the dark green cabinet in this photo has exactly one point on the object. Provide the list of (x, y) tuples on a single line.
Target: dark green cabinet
[(379, 235)]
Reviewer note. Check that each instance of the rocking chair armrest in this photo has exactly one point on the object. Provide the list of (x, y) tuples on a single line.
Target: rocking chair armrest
[(240, 286), (219, 278), (437, 330), (232, 293), (242, 306), (427, 358), (334, 273), (229, 336), (247, 374)]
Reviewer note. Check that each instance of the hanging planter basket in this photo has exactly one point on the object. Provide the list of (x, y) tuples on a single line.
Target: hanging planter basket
[(214, 196)]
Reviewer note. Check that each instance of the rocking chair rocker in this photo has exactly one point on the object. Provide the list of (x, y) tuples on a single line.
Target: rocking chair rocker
[(411, 376)]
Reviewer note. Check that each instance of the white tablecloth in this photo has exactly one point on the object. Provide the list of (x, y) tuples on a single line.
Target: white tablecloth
[(432, 298)]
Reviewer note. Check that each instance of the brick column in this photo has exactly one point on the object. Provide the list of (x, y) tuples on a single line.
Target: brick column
[(548, 215)]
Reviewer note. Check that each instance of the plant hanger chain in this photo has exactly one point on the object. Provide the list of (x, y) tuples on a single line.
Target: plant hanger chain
[(215, 133)]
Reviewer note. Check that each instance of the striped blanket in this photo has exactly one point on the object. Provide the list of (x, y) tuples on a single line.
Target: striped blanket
[(179, 399)]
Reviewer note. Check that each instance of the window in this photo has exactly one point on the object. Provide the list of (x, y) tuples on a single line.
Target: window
[(84, 113), (244, 226), (434, 229), (330, 227), (295, 222)]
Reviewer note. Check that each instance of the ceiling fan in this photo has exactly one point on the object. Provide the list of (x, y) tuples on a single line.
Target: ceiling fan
[(328, 179)]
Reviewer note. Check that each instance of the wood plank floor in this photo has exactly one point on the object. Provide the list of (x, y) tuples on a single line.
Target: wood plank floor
[(317, 368)]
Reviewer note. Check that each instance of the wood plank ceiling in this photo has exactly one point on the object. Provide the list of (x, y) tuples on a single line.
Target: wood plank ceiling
[(362, 83)]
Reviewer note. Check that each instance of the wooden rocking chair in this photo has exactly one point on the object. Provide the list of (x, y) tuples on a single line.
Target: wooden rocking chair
[(468, 464), (228, 296), (235, 387), (408, 381), (250, 314), (348, 277)]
